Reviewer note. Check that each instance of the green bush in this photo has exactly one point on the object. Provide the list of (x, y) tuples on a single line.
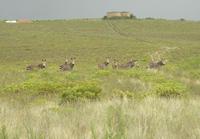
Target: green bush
[(81, 91), (182, 19), (69, 91), (105, 17), (133, 16), (170, 89), (36, 86)]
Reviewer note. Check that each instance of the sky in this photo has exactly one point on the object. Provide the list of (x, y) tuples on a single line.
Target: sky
[(73, 9)]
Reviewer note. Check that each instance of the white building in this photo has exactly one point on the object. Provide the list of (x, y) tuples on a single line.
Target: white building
[(11, 21)]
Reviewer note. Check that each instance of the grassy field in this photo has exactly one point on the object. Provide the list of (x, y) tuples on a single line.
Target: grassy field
[(147, 119), (93, 103)]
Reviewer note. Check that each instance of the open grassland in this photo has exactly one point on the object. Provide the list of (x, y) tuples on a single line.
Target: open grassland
[(92, 103)]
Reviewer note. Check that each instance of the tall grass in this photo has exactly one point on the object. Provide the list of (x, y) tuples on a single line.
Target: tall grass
[(149, 118)]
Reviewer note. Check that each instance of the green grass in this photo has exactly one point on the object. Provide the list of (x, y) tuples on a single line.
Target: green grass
[(95, 94), (92, 40)]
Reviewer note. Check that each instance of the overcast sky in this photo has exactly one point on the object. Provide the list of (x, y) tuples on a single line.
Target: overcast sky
[(67, 9)]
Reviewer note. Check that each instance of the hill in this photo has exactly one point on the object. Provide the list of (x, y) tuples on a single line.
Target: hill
[(91, 41)]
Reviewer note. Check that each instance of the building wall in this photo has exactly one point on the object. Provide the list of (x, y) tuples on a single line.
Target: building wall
[(126, 14), (11, 21), (118, 14), (113, 14)]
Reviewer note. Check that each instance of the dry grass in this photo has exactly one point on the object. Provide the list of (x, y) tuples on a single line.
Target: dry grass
[(151, 118)]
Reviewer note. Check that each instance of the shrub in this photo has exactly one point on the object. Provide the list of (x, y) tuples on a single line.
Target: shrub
[(133, 16), (36, 87), (82, 91), (182, 19), (105, 17), (70, 91), (170, 89)]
